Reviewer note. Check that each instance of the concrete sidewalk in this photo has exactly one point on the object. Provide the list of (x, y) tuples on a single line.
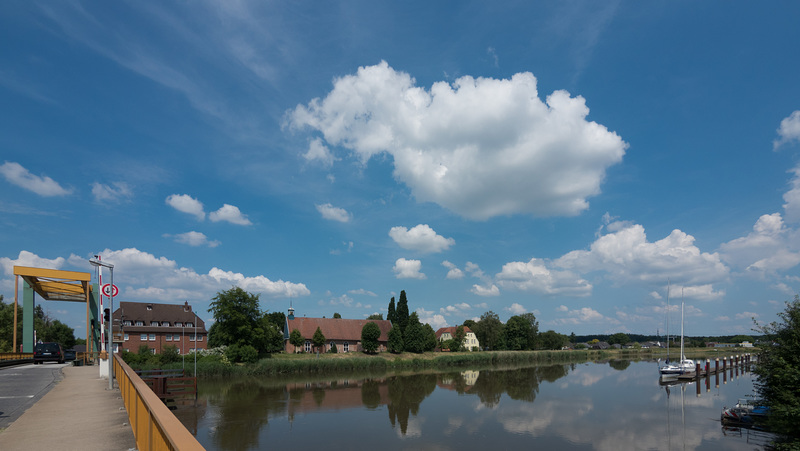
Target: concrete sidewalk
[(79, 413)]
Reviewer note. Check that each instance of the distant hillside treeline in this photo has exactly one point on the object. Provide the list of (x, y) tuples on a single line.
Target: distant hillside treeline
[(689, 341)]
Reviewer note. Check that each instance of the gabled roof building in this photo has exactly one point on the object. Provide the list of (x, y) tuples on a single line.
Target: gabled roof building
[(470, 341), (158, 326), (344, 333)]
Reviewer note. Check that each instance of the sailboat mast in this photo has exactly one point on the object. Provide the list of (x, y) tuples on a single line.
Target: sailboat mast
[(682, 356), (667, 320)]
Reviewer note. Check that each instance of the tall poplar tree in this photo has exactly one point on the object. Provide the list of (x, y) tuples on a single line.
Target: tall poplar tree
[(391, 315), (402, 312)]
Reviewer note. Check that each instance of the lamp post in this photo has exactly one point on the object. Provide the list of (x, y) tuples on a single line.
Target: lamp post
[(195, 343), (98, 263)]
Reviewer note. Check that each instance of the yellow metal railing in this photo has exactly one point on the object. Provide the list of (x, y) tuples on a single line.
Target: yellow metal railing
[(16, 355), (154, 425)]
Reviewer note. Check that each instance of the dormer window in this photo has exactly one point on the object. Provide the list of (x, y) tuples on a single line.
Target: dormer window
[(140, 323), (127, 323), (178, 324), (153, 323), (165, 323), (188, 324), (149, 306)]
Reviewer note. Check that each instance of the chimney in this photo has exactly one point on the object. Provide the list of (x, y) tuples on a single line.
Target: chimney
[(187, 307)]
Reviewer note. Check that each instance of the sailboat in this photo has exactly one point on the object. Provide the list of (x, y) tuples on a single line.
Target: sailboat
[(684, 365)]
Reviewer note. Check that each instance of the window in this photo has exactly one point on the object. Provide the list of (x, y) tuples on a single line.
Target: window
[(165, 323), (346, 347), (152, 337), (143, 337), (191, 337), (188, 324), (308, 346), (127, 323), (153, 323), (178, 324), (176, 337), (169, 337), (140, 323), (126, 337), (199, 338)]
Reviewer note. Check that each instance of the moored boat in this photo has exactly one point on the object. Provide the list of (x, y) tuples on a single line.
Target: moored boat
[(744, 413), (684, 365)]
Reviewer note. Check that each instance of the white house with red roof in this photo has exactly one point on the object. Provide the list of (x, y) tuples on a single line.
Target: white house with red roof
[(470, 341)]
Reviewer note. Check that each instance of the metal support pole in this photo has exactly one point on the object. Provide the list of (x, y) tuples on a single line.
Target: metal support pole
[(110, 342)]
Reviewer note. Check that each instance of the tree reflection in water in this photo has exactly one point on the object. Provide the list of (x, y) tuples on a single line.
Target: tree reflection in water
[(242, 407)]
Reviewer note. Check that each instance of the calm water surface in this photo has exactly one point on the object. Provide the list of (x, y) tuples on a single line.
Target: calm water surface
[(616, 405)]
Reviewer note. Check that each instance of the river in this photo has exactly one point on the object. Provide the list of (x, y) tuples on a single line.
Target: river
[(609, 405)]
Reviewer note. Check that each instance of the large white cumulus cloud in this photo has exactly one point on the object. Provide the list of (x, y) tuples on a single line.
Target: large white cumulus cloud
[(480, 147), (626, 255)]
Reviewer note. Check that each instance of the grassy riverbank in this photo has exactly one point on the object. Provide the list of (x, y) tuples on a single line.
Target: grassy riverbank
[(280, 364)]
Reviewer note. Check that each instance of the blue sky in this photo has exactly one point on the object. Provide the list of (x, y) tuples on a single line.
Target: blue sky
[(568, 159)]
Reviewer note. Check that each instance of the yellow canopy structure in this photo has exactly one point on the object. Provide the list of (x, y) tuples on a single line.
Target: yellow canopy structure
[(51, 285)]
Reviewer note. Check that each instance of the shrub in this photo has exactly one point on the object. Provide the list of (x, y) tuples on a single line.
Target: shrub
[(245, 354)]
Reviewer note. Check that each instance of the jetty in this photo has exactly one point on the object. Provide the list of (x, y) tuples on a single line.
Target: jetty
[(728, 363)]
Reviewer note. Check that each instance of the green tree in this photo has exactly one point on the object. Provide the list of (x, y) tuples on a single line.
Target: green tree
[(296, 339), (318, 340), (429, 336), (238, 320), (7, 326), (378, 316), (336, 315), (276, 318), (236, 315), (619, 338), (402, 312), (552, 340), (272, 336), (534, 329), (395, 343), (334, 349), (60, 333), (391, 314), (414, 337), (778, 368), (489, 331), (520, 333), (458, 339), (370, 334)]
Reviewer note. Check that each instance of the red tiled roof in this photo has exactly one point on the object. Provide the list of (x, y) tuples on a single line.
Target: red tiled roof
[(451, 330), (336, 328)]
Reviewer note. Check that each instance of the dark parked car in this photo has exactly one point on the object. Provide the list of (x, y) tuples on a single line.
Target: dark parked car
[(44, 352), (69, 354)]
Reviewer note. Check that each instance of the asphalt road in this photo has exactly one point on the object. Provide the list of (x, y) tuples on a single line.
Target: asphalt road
[(21, 386)]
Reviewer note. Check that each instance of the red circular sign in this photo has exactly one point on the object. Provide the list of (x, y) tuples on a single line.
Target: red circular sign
[(107, 290)]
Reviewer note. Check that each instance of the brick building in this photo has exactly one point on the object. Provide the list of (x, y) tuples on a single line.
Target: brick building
[(345, 333), (158, 326)]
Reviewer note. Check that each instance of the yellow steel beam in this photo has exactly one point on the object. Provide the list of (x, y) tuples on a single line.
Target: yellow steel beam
[(52, 273), (56, 285)]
